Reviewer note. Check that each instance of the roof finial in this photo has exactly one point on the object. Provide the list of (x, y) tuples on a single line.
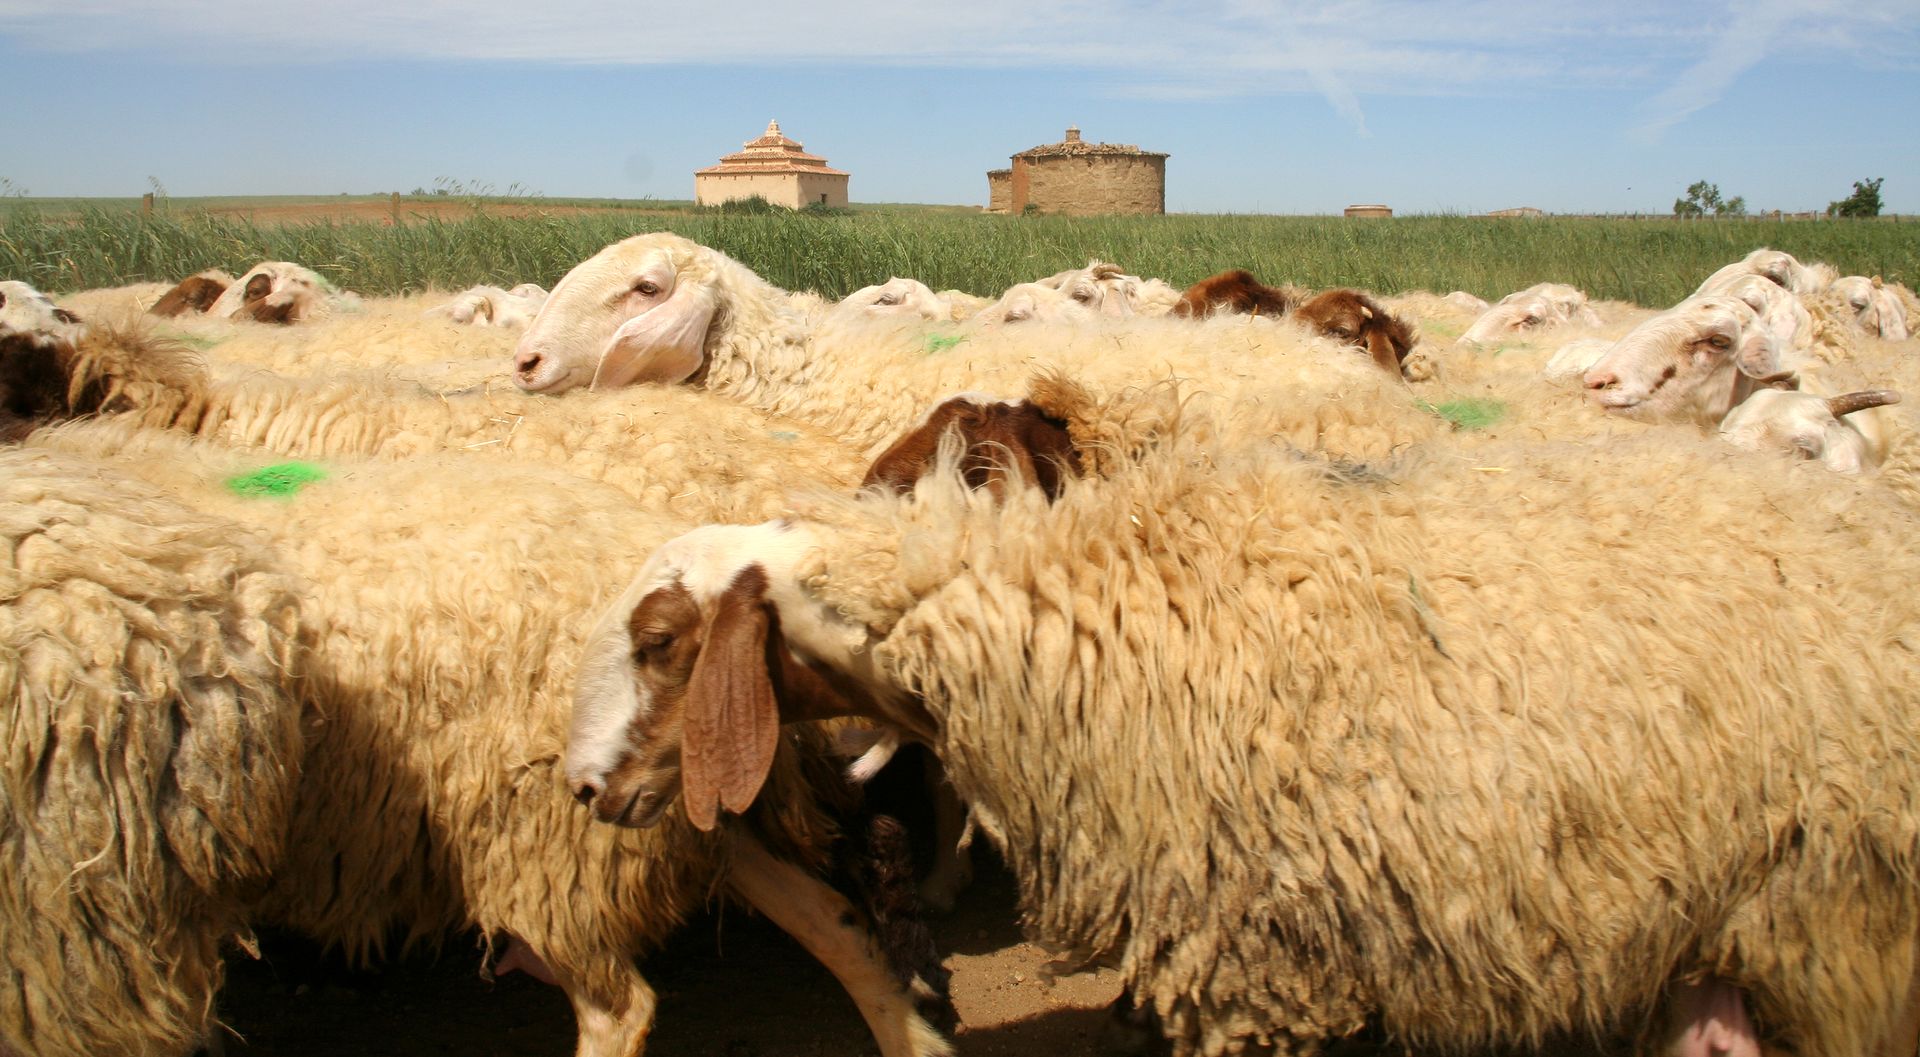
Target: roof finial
[(773, 128), (1073, 133)]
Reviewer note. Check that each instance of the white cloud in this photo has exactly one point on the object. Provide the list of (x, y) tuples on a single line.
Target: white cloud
[(1341, 50)]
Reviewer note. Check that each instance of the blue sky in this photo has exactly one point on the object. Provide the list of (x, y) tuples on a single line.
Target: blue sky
[(1264, 107)]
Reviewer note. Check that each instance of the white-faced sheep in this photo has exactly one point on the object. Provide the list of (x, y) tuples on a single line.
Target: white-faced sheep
[(1779, 267), (151, 740), (1300, 751), (661, 308), (1537, 307), (490, 306), (691, 453), (1877, 308), (1109, 291), (26, 311), (431, 795), (899, 297), (1695, 361), (1813, 427)]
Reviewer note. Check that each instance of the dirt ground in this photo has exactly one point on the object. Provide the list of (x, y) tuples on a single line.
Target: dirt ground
[(730, 985)]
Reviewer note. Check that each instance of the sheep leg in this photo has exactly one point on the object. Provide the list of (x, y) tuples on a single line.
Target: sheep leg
[(952, 861), (827, 925), (1709, 1019), (606, 1031)]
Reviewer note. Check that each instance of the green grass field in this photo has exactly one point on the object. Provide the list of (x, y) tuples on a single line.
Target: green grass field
[(59, 245)]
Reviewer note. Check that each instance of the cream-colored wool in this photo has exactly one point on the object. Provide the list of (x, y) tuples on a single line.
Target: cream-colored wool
[(679, 451), (151, 744), (450, 597), (869, 380), (1495, 746)]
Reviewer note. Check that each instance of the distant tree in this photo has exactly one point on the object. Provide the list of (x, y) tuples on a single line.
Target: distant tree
[(1704, 198), (9, 189), (1863, 202)]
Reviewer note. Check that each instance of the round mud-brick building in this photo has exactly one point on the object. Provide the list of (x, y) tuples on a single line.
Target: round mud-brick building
[(1078, 178)]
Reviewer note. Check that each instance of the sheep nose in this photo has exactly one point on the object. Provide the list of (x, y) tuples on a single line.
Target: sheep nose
[(585, 789), (526, 362), (1602, 380)]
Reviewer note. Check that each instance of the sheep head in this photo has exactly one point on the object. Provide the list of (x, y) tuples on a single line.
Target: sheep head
[(999, 440), (1537, 307), (1353, 318), (896, 297), (1694, 361), (686, 680), (1236, 292), (1876, 308), (637, 311), (1777, 267), (1031, 302), (272, 292), (1812, 427), (193, 295)]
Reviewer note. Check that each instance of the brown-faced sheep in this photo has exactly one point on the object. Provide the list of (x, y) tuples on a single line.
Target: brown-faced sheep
[(278, 292), (193, 295), (1245, 731), (1353, 318), (1000, 440), (431, 796), (151, 738), (1236, 292)]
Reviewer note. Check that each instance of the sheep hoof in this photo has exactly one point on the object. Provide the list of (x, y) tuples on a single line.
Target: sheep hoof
[(1132, 1031)]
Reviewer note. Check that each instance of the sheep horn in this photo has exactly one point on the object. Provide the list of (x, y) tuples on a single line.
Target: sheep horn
[(1851, 402)]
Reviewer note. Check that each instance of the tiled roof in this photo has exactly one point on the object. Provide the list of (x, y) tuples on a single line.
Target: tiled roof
[(771, 152)]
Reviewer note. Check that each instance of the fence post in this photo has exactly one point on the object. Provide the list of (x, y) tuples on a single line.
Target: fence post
[(146, 204), (395, 208)]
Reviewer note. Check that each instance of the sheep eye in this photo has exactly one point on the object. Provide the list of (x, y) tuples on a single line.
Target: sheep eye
[(1082, 296), (1719, 341), (887, 299), (646, 288), (651, 642)]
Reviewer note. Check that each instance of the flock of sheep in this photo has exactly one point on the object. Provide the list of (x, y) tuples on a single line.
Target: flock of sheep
[(1477, 675)]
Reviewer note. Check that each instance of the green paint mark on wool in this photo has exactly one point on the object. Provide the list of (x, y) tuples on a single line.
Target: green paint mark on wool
[(279, 480), (785, 435), (943, 342), (1470, 413)]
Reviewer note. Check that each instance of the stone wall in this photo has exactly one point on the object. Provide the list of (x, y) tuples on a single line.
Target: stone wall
[(1089, 185), (792, 190), (1000, 191)]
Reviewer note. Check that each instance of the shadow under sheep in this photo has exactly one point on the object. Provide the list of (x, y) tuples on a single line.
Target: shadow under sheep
[(729, 983)]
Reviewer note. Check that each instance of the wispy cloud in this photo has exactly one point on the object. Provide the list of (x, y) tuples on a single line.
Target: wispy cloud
[(1340, 50)]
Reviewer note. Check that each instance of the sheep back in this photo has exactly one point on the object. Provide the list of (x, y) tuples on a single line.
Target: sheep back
[(1491, 748), (151, 747)]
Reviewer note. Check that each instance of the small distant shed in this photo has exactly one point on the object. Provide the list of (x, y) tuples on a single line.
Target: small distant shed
[(1369, 211)]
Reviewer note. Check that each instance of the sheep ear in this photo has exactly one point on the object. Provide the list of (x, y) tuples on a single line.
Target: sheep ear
[(1380, 346), (732, 720), (663, 345), (1365, 312)]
